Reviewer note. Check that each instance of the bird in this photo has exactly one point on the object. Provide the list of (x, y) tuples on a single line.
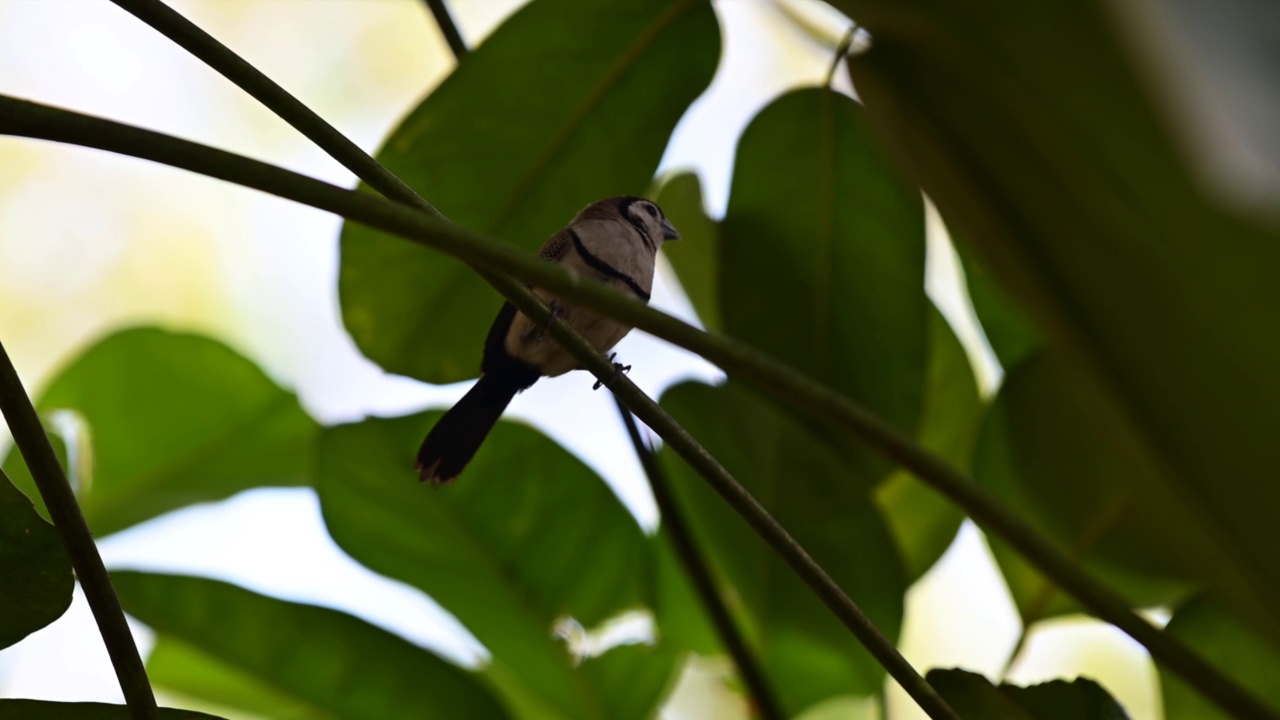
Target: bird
[(615, 241)]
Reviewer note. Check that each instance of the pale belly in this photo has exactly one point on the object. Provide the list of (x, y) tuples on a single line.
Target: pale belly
[(530, 343)]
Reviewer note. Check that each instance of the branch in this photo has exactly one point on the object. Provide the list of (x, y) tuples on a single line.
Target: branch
[(18, 117), (695, 566), (28, 435), (447, 28)]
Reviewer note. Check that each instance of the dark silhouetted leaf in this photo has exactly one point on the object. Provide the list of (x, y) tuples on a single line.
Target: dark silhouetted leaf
[(36, 580), (1064, 177), (1050, 451), (526, 536), (808, 655), (822, 262), (922, 521), (568, 101), (1243, 655), (332, 661), (975, 698), (46, 710), (696, 257), (169, 420)]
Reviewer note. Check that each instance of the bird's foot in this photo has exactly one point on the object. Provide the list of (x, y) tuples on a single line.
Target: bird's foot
[(557, 311), (617, 368)]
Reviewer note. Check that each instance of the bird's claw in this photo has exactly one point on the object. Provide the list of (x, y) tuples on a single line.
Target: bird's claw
[(556, 312), (617, 368)]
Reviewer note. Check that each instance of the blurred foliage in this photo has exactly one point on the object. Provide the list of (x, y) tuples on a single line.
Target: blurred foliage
[(1133, 316), (1064, 178)]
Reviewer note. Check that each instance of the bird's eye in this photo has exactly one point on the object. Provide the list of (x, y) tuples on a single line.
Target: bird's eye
[(653, 211)]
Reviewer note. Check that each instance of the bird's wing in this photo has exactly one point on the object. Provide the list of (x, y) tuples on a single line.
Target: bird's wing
[(556, 246)]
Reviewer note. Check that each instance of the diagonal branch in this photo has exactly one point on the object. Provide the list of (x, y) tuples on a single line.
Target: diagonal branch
[(699, 572), (27, 119), (51, 481), (447, 28)]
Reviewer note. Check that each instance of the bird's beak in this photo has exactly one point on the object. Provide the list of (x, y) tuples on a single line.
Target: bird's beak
[(669, 231)]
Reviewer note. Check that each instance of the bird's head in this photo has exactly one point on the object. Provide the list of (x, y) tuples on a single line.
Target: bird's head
[(644, 215), (647, 214)]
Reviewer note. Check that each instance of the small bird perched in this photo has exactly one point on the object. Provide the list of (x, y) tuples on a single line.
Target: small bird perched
[(615, 241)]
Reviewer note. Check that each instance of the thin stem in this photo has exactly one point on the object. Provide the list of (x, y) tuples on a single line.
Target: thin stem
[(51, 481), (447, 28), (19, 117), (1016, 653), (699, 573), (841, 50)]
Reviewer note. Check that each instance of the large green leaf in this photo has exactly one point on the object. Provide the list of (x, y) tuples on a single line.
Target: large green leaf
[(696, 258), (527, 536), (332, 661), (568, 101), (808, 655), (1061, 172), (47, 710), (1240, 653), (975, 698), (36, 583), (1053, 454), (923, 521), (171, 419), (822, 263)]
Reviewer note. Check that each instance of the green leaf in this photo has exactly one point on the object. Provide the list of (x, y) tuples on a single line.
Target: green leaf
[(327, 659), (171, 419), (36, 584), (48, 710), (178, 667), (924, 522), (819, 218), (1063, 175), (975, 698), (568, 101), (527, 536), (1052, 453), (807, 654), (1243, 655), (696, 257)]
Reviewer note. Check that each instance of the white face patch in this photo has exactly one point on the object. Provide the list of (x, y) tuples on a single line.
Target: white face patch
[(648, 215)]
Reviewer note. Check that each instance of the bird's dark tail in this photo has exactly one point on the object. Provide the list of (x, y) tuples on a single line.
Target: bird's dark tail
[(457, 436)]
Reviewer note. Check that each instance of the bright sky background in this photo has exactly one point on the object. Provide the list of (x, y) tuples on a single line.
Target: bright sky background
[(90, 242)]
